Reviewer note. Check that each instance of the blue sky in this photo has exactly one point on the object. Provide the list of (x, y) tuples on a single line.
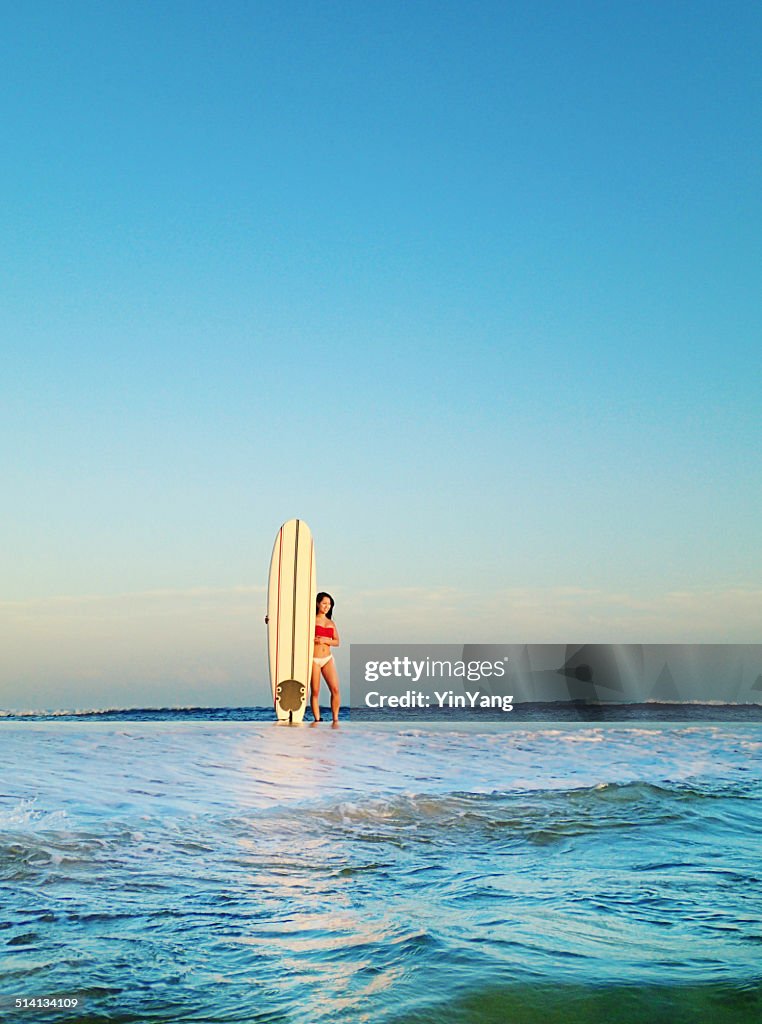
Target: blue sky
[(472, 288)]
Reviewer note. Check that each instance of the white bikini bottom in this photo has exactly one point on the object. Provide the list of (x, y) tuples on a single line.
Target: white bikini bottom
[(321, 661)]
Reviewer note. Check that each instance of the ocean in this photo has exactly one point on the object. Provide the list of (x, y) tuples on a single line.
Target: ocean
[(211, 866)]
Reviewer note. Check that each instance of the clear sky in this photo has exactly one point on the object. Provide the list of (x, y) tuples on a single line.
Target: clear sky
[(473, 288)]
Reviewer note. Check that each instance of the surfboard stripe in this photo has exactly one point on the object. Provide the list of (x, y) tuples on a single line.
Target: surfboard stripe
[(293, 616), (277, 618), (310, 638)]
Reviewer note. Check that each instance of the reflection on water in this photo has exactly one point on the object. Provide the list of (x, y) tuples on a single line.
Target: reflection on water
[(202, 871)]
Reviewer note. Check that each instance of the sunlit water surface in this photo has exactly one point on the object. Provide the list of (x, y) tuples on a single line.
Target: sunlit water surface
[(239, 871)]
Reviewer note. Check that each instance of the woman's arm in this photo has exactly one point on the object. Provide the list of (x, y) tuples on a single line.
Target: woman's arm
[(335, 642)]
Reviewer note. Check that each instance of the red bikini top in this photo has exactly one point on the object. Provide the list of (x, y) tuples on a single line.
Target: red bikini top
[(324, 630)]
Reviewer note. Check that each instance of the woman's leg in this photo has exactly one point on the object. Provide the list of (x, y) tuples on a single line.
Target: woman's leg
[(332, 678), (315, 692)]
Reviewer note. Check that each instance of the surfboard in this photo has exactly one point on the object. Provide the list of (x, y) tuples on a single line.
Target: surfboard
[(291, 595)]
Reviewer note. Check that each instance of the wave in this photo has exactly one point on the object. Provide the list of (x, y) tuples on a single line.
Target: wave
[(140, 713), (529, 815), (25, 816), (614, 711), (569, 810)]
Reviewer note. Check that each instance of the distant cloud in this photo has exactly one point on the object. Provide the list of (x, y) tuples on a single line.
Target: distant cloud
[(201, 645), (208, 645), (557, 615), (147, 600)]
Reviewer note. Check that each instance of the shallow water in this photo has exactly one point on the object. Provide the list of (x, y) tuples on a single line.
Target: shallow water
[(241, 871)]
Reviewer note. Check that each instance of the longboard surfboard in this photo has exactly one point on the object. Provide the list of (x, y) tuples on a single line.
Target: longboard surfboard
[(291, 619)]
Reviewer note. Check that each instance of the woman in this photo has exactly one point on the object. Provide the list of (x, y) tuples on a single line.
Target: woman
[(326, 637)]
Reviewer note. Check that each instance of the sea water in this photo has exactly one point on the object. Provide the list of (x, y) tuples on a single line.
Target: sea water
[(191, 870)]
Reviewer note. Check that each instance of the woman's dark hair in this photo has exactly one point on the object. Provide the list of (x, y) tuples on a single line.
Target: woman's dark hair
[(319, 598)]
